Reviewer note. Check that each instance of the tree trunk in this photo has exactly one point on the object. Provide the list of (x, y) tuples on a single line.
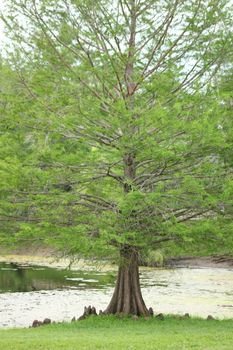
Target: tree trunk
[(127, 298)]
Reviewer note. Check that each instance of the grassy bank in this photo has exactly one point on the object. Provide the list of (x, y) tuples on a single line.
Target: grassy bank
[(112, 333)]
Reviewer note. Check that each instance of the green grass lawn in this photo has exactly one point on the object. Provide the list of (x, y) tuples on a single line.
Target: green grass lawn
[(112, 333)]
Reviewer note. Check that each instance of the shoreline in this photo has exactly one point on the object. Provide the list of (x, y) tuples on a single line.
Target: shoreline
[(44, 255), (201, 262), (58, 263), (50, 258)]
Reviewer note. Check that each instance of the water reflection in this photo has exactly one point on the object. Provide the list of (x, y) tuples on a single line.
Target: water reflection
[(18, 278)]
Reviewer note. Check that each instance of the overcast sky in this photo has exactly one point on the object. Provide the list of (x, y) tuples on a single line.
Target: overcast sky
[(3, 37), (1, 23)]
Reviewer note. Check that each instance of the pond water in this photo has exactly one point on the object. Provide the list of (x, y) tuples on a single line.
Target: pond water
[(32, 292)]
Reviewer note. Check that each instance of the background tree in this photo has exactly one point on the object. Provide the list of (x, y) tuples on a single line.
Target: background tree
[(118, 135)]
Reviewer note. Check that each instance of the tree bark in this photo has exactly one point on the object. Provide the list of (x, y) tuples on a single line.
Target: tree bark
[(127, 297)]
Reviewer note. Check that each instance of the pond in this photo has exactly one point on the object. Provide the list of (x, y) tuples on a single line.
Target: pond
[(33, 292)]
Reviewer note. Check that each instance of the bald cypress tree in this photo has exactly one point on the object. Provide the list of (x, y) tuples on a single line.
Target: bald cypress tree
[(118, 138)]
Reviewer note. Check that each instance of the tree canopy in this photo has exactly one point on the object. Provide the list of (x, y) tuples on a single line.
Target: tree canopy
[(115, 137)]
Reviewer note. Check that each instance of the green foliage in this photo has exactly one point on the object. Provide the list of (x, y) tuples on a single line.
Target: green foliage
[(107, 142), (155, 258)]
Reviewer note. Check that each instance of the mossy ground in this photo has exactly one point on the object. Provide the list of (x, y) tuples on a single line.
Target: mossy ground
[(112, 333)]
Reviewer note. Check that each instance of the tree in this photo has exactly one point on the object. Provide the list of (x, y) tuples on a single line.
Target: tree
[(119, 141)]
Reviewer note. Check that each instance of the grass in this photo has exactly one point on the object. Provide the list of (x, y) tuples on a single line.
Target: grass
[(112, 333)]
